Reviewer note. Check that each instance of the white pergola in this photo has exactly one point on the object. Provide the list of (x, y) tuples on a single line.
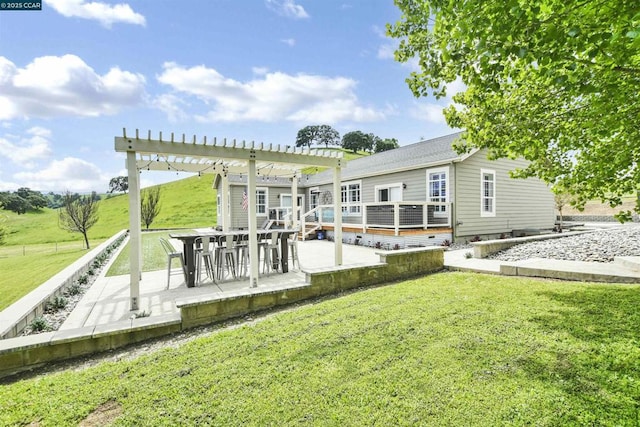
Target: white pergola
[(220, 157)]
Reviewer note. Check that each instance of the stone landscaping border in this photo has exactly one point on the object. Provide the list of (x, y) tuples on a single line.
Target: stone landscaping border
[(28, 352), (15, 318)]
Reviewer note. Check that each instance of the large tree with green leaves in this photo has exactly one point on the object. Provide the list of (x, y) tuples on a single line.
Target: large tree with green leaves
[(555, 82), (317, 134)]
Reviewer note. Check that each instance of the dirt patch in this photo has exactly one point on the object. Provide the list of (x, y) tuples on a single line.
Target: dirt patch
[(599, 209), (103, 415)]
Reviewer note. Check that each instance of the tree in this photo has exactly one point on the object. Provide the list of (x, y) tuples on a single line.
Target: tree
[(119, 184), (78, 215), (386, 145), (35, 199), (561, 199), (556, 83), (14, 203), (354, 141), (149, 205), (317, 134)]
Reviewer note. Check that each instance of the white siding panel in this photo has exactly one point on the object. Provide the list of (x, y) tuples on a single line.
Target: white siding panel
[(519, 203)]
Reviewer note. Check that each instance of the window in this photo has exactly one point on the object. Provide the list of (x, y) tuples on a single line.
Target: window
[(389, 193), (261, 201), (488, 192), (438, 187), (350, 198)]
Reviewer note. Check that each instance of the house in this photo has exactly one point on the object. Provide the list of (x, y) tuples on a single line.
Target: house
[(416, 195)]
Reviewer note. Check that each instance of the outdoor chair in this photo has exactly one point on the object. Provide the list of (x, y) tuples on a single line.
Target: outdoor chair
[(271, 253), (292, 244), (204, 258), (226, 257), (171, 254)]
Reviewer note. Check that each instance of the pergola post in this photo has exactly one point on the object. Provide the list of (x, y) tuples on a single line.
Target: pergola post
[(135, 242), (224, 200), (253, 225), (337, 215), (294, 201)]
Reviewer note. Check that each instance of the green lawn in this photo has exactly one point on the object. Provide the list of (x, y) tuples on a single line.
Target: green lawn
[(449, 349), (154, 257), (36, 247)]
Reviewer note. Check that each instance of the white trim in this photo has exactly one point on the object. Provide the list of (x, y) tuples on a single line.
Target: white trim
[(266, 201), (377, 189), (348, 204), (484, 213), (447, 191), (300, 196)]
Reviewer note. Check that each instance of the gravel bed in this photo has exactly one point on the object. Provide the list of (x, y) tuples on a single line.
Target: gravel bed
[(597, 246)]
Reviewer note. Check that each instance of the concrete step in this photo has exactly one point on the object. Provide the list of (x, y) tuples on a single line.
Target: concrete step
[(630, 262)]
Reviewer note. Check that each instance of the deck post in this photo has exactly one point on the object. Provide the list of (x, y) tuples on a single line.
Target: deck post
[(224, 200), (294, 201), (396, 218)]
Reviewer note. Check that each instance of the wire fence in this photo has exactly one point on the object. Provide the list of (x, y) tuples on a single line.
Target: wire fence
[(41, 248)]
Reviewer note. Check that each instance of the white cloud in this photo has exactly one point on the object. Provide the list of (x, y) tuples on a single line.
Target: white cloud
[(270, 97), (386, 51), (172, 106), (70, 173), (289, 42), (287, 8), (260, 71), (431, 113), (24, 150), (54, 86), (104, 13)]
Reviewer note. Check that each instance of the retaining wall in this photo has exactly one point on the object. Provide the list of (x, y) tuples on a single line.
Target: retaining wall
[(15, 318), (28, 352), (485, 248)]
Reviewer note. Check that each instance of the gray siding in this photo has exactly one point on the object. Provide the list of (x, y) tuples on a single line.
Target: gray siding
[(519, 203)]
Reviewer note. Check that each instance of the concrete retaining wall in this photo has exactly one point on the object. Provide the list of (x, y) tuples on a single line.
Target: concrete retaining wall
[(23, 353), (15, 318), (485, 248)]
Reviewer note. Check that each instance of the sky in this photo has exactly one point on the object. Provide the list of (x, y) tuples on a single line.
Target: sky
[(77, 72)]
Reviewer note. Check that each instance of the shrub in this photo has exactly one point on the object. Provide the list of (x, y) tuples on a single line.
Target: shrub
[(39, 324), (83, 280), (446, 242), (57, 303), (475, 238), (91, 272), (468, 255), (143, 313), (74, 289), (396, 247), (378, 245)]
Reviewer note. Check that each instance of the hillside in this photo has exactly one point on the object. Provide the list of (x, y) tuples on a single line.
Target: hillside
[(189, 202)]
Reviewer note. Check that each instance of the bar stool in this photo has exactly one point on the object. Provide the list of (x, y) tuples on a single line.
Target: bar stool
[(171, 254), (226, 258), (269, 262), (292, 245), (204, 257), (241, 244)]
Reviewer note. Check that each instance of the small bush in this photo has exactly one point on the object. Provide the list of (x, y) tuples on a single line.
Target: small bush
[(446, 242), (57, 303), (83, 280), (396, 247), (39, 324), (143, 313), (475, 238), (503, 236), (91, 272), (74, 289), (378, 245), (468, 255)]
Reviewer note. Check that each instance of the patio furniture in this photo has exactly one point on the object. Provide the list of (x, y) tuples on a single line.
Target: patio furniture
[(271, 254), (292, 244), (171, 254), (226, 258), (204, 258)]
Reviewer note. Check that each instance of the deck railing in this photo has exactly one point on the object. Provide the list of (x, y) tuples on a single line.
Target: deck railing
[(383, 215)]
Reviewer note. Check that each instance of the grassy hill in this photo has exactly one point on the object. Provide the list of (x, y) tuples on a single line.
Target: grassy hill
[(189, 202)]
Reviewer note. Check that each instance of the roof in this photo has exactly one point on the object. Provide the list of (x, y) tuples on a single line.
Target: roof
[(421, 154)]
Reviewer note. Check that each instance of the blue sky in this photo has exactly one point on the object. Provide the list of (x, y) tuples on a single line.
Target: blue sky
[(74, 74)]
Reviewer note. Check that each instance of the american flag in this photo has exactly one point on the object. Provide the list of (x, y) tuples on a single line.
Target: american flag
[(245, 201)]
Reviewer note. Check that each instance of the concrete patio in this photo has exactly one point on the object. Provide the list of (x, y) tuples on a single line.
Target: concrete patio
[(107, 300)]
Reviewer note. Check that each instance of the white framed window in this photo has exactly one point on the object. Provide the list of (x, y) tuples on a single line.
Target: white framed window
[(438, 188), (487, 192), (388, 192), (262, 197), (314, 197), (350, 193)]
